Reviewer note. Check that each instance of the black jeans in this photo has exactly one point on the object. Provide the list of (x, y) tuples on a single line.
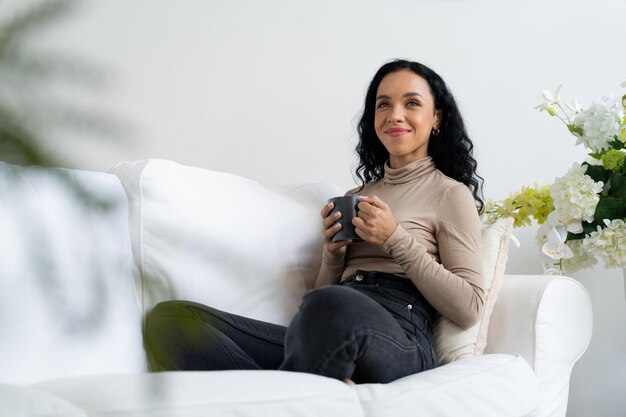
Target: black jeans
[(372, 327)]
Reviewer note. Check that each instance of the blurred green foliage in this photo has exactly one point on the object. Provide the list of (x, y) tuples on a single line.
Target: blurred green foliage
[(39, 88)]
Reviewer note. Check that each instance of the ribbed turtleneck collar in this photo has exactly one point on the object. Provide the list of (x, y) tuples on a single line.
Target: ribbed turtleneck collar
[(409, 172)]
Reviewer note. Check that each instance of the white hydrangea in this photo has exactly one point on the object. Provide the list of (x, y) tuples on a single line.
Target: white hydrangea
[(582, 258), (575, 194), (609, 243), (600, 122)]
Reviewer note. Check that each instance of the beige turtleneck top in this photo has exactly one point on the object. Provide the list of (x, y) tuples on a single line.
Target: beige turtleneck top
[(436, 244)]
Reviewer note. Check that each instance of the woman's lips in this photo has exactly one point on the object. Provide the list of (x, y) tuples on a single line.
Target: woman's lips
[(396, 132)]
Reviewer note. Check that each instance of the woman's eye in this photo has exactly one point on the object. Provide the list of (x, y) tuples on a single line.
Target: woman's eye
[(382, 105), (413, 103)]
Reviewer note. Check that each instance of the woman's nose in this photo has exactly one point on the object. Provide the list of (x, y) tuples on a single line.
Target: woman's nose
[(396, 115)]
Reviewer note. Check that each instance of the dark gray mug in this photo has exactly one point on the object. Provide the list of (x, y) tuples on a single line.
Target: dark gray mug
[(347, 205)]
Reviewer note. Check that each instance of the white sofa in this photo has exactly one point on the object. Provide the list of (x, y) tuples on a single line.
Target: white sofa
[(84, 254)]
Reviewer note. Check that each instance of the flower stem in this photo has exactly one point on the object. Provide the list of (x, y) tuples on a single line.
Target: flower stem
[(569, 122)]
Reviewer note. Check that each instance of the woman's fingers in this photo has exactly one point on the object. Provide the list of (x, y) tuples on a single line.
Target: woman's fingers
[(330, 227), (371, 206), (360, 228), (374, 200), (329, 232), (358, 222), (327, 209), (375, 222), (329, 219), (335, 246)]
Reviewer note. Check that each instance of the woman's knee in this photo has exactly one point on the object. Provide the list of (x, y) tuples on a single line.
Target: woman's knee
[(332, 305), (332, 297)]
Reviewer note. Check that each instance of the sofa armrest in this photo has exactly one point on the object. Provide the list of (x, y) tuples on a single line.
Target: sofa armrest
[(548, 320)]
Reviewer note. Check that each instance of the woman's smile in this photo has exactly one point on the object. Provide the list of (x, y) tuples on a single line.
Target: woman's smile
[(396, 132)]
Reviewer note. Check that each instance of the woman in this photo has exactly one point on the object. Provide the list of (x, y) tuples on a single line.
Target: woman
[(369, 318)]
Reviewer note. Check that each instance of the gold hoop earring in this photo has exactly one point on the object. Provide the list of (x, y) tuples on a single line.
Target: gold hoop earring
[(436, 132)]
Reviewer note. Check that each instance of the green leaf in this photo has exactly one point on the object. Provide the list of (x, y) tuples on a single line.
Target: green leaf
[(616, 143), (609, 208), (575, 130), (618, 186), (31, 110), (596, 155), (575, 236), (587, 229), (32, 19), (597, 172), (590, 227)]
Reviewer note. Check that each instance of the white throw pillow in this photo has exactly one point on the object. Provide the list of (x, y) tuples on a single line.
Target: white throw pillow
[(451, 341), (222, 240), (67, 303), (18, 401)]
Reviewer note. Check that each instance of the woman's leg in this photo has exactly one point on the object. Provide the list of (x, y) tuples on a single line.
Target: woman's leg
[(182, 335), (342, 333)]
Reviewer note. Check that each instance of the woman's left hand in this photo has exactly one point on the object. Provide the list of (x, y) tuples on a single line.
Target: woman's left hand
[(375, 222)]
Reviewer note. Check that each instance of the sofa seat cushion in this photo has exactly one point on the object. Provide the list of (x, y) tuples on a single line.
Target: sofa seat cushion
[(19, 401), (489, 385), (215, 393)]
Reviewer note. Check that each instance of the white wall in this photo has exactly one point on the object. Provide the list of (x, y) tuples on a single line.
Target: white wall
[(272, 89)]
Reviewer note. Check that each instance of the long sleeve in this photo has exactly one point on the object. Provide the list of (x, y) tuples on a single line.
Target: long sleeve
[(330, 270), (455, 285)]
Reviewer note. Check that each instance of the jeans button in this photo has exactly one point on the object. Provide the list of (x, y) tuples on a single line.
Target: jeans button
[(359, 277), (410, 306)]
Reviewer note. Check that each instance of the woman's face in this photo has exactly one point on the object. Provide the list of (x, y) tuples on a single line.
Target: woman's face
[(404, 117)]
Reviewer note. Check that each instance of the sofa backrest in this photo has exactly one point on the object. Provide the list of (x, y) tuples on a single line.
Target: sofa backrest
[(222, 240), (67, 303)]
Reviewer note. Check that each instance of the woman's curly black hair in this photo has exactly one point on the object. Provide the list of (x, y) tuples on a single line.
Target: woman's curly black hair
[(451, 150)]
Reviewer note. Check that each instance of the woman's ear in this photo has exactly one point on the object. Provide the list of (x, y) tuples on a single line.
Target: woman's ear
[(438, 115)]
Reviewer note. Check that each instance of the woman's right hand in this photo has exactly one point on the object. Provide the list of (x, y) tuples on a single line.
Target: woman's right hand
[(330, 228)]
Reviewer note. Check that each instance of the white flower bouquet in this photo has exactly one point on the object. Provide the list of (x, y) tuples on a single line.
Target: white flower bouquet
[(582, 216)]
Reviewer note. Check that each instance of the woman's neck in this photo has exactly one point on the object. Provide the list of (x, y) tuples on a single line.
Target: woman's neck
[(399, 162)]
